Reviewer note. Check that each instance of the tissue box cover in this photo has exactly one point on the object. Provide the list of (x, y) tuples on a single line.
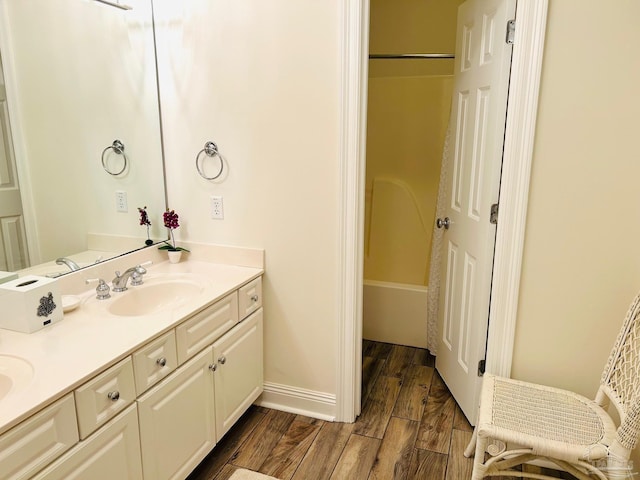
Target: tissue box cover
[(29, 303)]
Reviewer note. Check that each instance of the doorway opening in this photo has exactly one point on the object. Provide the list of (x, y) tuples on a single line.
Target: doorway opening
[(410, 83), (518, 151)]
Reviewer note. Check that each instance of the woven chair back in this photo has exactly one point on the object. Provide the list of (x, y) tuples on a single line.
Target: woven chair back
[(620, 380)]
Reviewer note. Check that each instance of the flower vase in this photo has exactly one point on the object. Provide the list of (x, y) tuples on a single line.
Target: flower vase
[(174, 255)]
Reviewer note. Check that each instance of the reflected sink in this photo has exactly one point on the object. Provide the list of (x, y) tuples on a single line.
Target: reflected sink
[(15, 373), (154, 297)]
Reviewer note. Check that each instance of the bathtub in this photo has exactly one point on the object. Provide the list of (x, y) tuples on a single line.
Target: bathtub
[(395, 313)]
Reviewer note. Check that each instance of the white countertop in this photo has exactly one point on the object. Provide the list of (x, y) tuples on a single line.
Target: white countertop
[(68, 353)]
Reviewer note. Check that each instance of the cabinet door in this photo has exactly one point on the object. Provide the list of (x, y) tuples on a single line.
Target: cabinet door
[(239, 373), (177, 427), (112, 452)]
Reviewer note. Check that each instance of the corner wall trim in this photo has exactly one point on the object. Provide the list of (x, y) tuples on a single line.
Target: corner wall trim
[(526, 67), (299, 401), (353, 119)]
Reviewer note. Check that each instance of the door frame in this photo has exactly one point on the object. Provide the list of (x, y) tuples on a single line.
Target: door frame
[(526, 66)]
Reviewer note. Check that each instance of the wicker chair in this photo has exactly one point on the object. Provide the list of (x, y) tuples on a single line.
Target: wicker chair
[(520, 422)]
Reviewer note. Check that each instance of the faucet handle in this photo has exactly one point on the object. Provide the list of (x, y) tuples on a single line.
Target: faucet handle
[(102, 290), (136, 276)]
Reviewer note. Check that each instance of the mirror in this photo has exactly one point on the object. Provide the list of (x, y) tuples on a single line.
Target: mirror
[(79, 75)]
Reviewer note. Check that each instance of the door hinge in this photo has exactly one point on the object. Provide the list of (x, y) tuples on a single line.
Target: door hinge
[(493, 216), (481, 367), (511, 32)]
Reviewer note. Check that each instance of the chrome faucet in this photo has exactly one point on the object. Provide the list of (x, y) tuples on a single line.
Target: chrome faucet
[(119, 283), (73, 266)]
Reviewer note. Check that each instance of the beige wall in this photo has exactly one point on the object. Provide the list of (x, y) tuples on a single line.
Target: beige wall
[(581, 265), (261, 80)]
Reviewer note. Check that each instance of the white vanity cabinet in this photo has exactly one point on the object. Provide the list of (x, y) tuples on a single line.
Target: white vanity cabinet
[(112, 452), (104, 396), (36, 442), (177, 420), (155, 361), (203, 328), (239, 374), (157, 412), (183, 417)]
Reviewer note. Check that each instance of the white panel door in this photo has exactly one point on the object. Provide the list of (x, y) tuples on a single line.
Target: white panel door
[(482, 66), (13, 242)]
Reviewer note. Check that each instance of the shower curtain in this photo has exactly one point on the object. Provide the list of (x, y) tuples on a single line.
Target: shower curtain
[(436, 252)]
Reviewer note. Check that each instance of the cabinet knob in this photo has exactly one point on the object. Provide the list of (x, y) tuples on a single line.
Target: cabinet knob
[(115, 395), (222, 360), (254, 298), (161, 361), (213, 367)]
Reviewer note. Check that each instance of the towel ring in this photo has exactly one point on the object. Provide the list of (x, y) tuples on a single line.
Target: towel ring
[(118, 147), (211, 150)]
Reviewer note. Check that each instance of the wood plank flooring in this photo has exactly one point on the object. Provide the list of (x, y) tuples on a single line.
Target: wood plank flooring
[(410, 428)]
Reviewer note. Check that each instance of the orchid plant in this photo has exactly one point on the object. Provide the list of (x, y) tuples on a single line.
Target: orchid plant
[(144, 220), (171, 218)]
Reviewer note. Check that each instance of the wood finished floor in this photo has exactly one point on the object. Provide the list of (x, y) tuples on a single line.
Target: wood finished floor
[(410, 428)]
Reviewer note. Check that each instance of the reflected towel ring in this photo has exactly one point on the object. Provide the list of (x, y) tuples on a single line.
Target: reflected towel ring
[(118, 147), (211, 150)]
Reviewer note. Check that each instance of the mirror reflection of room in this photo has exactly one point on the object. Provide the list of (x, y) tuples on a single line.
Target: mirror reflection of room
[(78, 76)]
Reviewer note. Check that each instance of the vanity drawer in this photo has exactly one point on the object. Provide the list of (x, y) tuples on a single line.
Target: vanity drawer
[(205, 327), (155, 361), (250, 297), (104, 396), (29, 447)]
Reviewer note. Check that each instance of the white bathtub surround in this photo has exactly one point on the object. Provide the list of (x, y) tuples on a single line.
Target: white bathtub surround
[(398, 239), (395, 266), (395, 313)]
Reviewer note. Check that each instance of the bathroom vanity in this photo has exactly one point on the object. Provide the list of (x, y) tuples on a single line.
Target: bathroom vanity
[(138, 386)]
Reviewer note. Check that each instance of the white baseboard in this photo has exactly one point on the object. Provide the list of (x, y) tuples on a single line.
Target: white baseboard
[(299, 401)]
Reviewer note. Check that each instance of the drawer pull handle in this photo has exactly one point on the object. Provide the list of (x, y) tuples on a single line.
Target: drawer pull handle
[(161, 361), (222, 360), (254, 298), (114, 396), (213, 367)]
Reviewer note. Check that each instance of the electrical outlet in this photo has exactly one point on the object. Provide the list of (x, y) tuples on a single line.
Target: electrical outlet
[(217, 210), (121, 202)]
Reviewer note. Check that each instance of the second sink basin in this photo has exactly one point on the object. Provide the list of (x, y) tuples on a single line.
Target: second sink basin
[(15, 373), (153, 297)]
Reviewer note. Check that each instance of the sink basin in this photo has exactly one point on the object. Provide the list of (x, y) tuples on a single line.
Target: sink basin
[(15, 373), (153, 297)]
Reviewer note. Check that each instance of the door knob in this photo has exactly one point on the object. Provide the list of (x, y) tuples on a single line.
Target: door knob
[(443, 222)]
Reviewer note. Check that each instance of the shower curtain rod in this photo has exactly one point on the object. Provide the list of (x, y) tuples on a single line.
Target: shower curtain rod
[(411, 55)]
